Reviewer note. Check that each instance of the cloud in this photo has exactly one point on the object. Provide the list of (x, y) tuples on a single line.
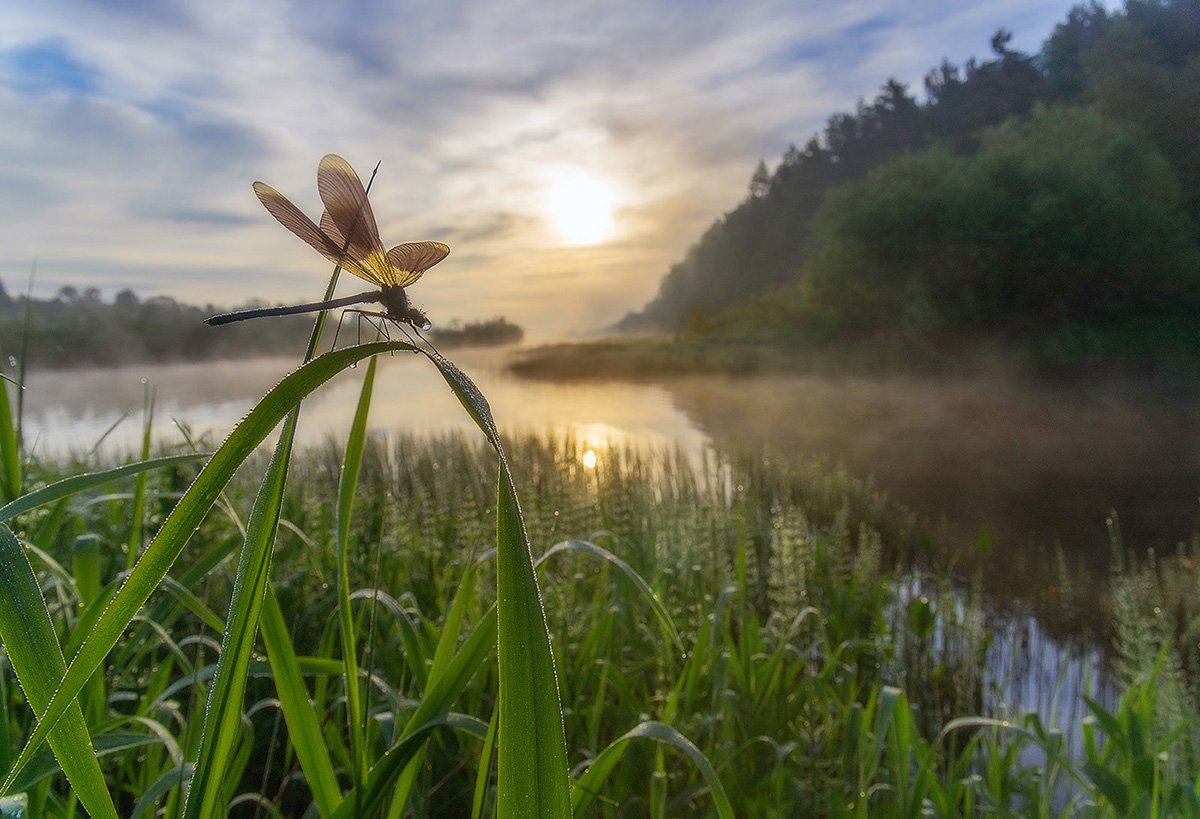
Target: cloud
[(46, 66), (133, 131)]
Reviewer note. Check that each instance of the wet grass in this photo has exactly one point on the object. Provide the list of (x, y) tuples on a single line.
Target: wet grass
[(741, 622)]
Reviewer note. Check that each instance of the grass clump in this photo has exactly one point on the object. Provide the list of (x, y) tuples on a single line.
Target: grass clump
[(744, 616)]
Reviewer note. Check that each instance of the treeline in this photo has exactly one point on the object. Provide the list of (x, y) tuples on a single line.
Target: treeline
[(1049, 202), (491, 333), (76, 329)]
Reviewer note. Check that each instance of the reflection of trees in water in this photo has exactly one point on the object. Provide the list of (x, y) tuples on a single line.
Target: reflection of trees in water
[(1030, 473)]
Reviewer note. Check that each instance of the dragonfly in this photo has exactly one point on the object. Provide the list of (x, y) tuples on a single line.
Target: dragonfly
[(348, 235)]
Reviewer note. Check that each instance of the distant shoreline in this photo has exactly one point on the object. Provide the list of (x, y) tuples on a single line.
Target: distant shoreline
[(652, 358)]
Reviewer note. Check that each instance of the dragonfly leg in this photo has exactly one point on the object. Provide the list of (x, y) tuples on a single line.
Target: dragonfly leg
[(380, 327), (338, 331), (427, 341)]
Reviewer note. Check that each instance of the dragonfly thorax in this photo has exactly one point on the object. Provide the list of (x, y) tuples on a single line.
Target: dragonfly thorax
[(398, 308)]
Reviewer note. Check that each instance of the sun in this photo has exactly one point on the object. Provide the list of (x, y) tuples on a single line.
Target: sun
[(580, 205)]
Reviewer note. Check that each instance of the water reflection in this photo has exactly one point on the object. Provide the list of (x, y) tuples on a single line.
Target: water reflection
[(68, 412), (1035, 471), (1031, 474)]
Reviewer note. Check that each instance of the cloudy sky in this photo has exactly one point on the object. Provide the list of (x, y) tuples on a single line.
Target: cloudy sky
[(567, 151)]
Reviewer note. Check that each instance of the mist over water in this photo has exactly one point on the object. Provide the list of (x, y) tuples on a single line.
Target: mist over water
[(67, 412), (1032, 473)]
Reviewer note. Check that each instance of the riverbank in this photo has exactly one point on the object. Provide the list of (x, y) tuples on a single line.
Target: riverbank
[(650, 358)]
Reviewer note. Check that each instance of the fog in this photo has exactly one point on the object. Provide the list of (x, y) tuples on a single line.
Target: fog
[(1033, 470)]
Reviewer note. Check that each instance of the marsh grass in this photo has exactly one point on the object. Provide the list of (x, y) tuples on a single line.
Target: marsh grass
[(730, 635)]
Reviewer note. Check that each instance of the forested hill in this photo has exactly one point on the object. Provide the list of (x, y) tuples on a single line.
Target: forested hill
[(1026, 196)]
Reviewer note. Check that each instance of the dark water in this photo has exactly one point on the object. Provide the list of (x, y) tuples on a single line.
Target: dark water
[(1026, 483)]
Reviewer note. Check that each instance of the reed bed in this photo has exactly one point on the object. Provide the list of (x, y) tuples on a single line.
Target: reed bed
[(729, 636)]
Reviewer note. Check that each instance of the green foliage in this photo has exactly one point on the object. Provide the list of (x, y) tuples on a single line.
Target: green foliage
[(807, 684), (1061, 235), (1015, 227), (1146, 71)]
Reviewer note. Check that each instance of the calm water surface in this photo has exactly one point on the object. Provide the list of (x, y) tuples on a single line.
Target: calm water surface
[(1032, 473), (68, 412)]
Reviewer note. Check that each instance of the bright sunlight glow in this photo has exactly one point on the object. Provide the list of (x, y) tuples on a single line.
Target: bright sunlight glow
[(580, 206)]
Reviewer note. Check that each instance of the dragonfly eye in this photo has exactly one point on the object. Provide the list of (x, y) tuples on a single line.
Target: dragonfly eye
[(419, 319)]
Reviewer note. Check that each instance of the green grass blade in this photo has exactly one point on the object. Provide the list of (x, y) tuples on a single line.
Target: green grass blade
[(584, 547), (10, 447), (33, 650), (162, 551), (484, 775), (168, 779), (532, 778), (304, 727), (137, 512), (345, 508), (440, 671), (222, 719), (223, 716), (88, 480), (377, 788), (590, 783), (440, 693)]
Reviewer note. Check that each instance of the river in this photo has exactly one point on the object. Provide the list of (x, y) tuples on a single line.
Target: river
[(1022, 480), (1028, 474)]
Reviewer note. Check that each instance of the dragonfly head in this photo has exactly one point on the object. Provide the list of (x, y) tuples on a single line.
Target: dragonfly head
[(418, 319)]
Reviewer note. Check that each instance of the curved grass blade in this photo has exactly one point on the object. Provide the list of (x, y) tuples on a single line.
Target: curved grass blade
[(584, 547), (33, 650), (440, 666), (77, 483), (304, 728), (442, 690), (532, 774), (223, 715), (590, 782), (187, 515), (45, 765), (368, 800), (172, 778), (347, 486)]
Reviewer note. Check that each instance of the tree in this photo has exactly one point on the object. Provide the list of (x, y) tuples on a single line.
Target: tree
[(1062, 221), (760, 181)]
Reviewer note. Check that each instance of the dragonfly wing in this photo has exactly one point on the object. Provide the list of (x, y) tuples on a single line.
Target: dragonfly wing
[(348, 209), (330, 229), (411, 259), (360, 269), (294, 220)]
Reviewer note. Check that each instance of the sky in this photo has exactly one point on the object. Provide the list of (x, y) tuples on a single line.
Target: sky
[(567, 152)]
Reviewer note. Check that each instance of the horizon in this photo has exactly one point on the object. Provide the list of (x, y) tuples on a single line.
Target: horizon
[(568, 158)]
